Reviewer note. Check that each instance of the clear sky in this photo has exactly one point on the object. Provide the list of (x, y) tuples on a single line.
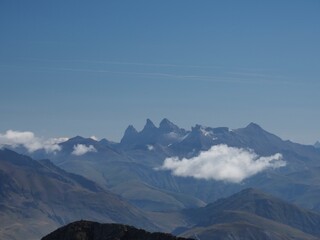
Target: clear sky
[(73, 67)]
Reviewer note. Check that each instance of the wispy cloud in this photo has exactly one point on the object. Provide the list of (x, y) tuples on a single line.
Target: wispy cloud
[(164, 70), (213, 78), (222, 163), (81, 149), (30, 141), (170, 65)]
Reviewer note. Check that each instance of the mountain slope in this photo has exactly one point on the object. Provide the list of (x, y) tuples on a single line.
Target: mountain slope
[(41, 197), (252, 214), (243, 230)]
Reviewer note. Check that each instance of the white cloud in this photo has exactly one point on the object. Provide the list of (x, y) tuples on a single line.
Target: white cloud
[(150, 147), (30, 141), (81, 149), (223, 163), (51, 145)]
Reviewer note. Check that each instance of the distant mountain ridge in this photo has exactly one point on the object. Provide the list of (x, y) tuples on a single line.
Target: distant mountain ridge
[(141, 152), (199, 138)]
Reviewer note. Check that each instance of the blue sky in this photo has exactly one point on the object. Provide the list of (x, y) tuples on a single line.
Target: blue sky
[(94, 67)]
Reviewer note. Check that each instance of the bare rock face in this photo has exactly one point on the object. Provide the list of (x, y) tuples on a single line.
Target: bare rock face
[(86, 230)]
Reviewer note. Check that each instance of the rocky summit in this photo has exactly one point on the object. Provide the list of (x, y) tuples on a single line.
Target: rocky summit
[(86, 230)]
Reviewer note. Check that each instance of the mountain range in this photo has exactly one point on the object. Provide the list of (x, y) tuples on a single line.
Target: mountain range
[(130, 177), (133, 162)]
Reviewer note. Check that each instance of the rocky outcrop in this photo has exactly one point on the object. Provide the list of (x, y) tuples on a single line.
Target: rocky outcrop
[(86, 230)]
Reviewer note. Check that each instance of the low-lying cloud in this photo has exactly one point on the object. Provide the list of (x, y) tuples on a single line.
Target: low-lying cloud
[(223, 163), (30, 141), (81, 149)]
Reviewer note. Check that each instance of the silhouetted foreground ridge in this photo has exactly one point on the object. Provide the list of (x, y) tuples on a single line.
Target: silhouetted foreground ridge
[(86, 230)]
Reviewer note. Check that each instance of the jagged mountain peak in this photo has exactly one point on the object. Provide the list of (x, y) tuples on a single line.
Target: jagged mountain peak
[(149, 125), (165, 123), (167, 126), (167, 133), (317, 144), (131, 130), (130, 134), (253, 126)]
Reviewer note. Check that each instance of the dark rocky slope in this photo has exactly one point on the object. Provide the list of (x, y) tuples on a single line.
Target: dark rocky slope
[(86, 230)]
